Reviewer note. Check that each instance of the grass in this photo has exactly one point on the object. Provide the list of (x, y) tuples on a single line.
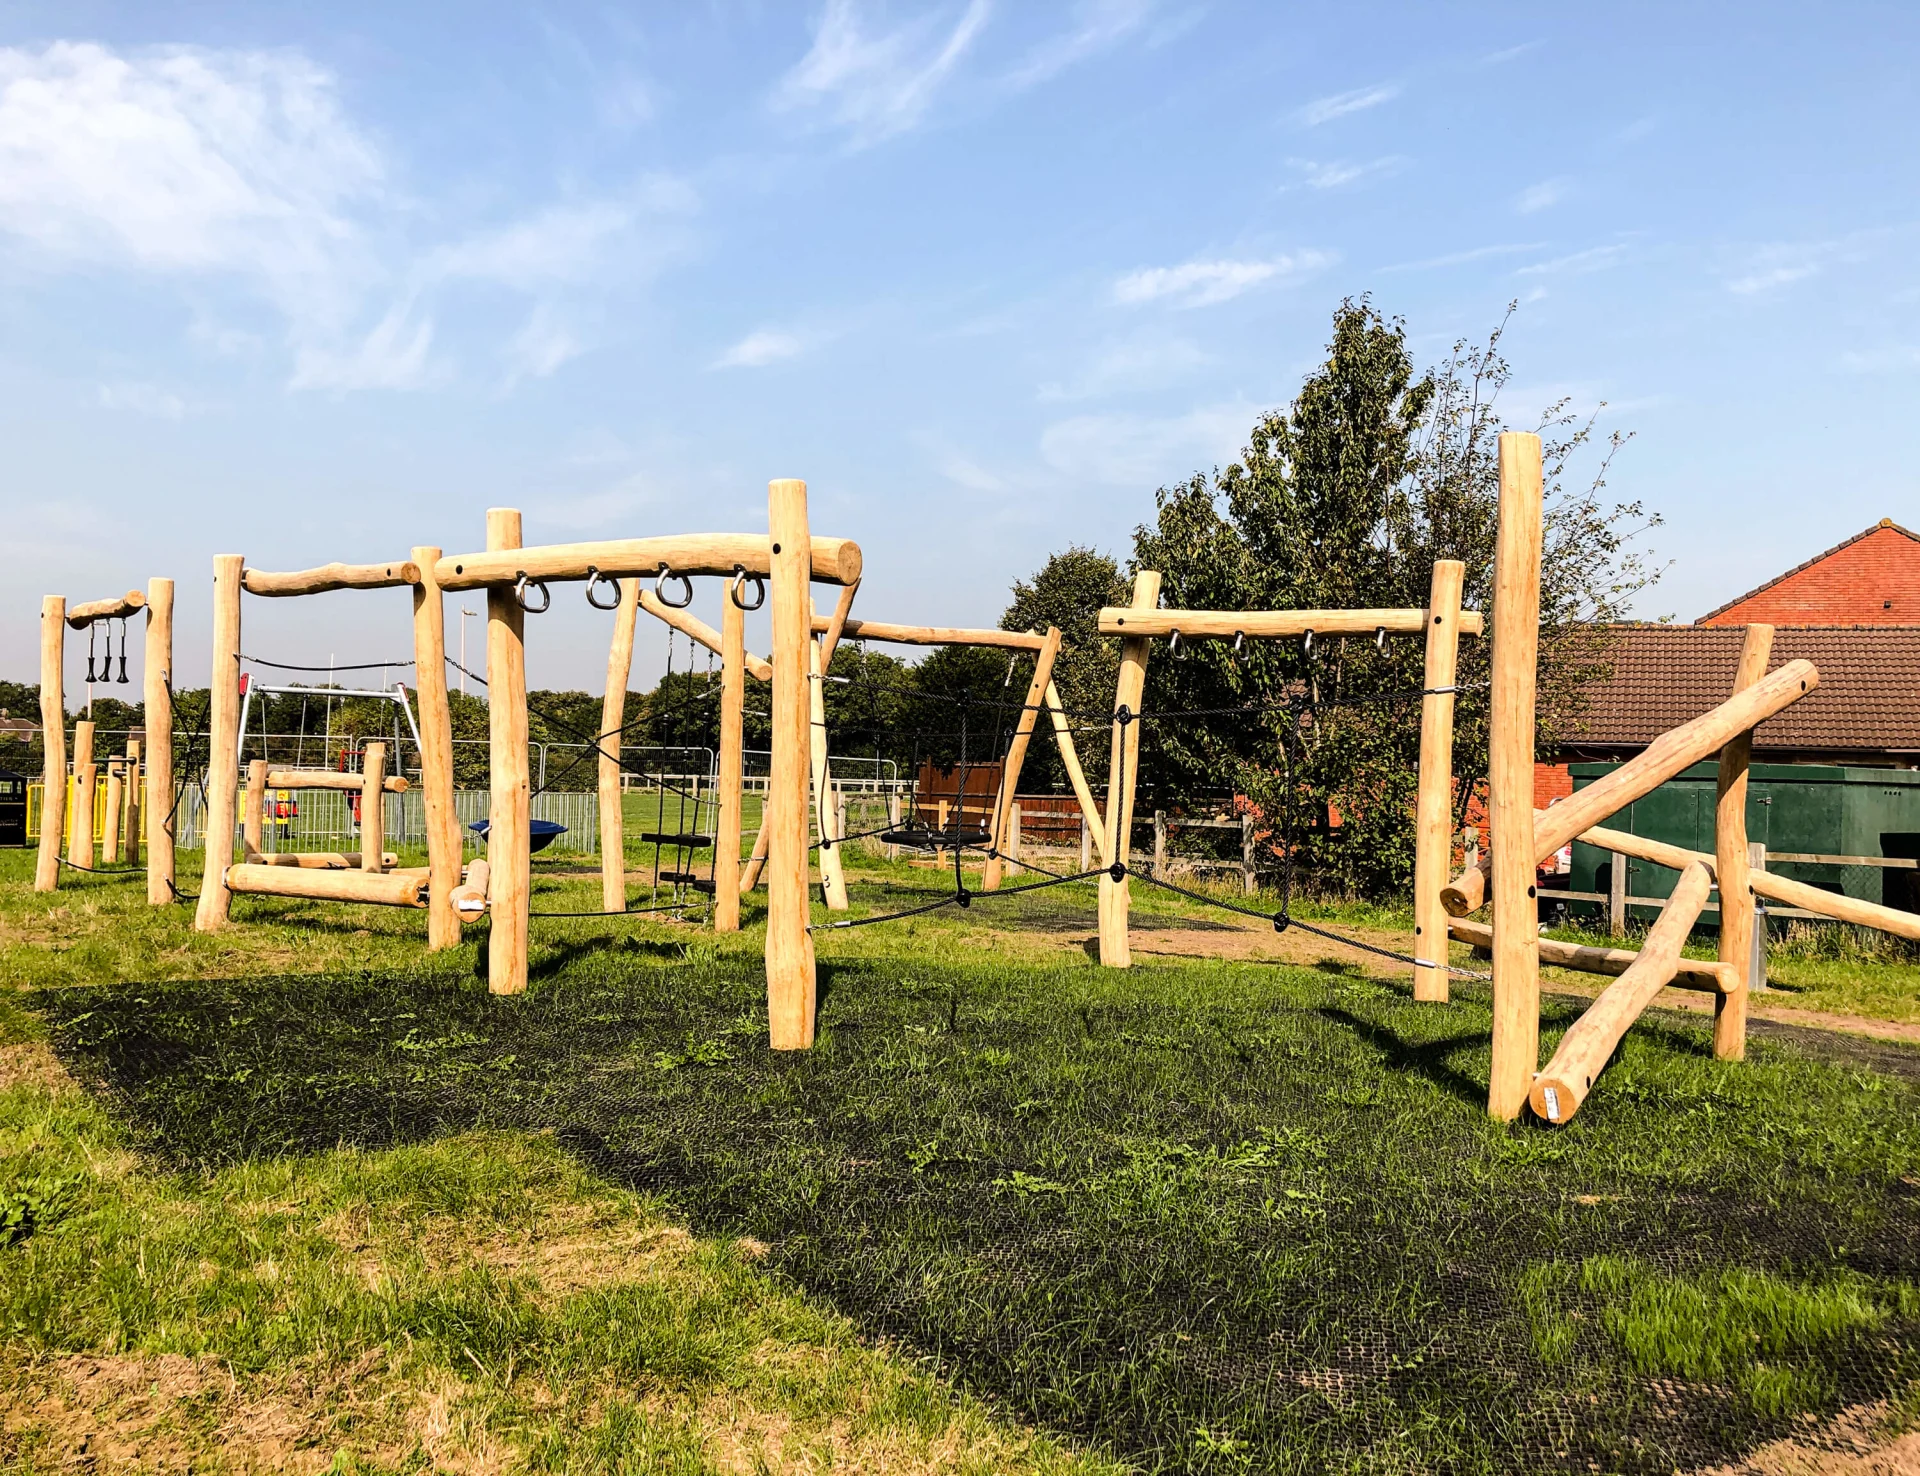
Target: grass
[(1213, 1216)]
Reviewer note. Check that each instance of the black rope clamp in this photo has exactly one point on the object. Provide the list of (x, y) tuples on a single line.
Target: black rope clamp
[(1280, 922), (594, 580), (660, 592), (1123, 715), (963, 897), (520, 588), (740, 578), (1118, 871)]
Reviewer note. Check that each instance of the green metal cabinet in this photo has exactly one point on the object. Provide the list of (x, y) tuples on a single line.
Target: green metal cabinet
[(1816, 809)]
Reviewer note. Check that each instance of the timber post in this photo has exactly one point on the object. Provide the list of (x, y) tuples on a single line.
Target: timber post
[(729, 819), (790, 959), (1016, 759), (157, 680), (80, 840), (436, 753), (509, 853), (53, 737), (1433, 806), (223, 743), (1115, 951), (1730, 855), (833, 875), (613, 721), (373, 806)]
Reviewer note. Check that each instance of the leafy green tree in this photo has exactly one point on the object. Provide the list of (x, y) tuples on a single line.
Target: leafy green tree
[(1068, 591)]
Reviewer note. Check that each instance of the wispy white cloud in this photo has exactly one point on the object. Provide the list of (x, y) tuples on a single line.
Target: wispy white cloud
[(1331, 174), (1510, 53), (1779, 264), (760, 348), (964, 473), (1897, 359), (1539, 196), (1593, 259), (1135, 365), (560, 244), (1145, 451), (1326, 109), (541, 346), (391, 357), (1203, 283), (1098, 24), (139, 398), (1460, 258), (877, 85)]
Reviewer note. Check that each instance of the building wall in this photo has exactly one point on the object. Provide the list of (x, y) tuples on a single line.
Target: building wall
[(1874, 580)]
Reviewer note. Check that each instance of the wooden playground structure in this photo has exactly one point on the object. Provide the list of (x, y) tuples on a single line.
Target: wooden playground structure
[(779, 569)]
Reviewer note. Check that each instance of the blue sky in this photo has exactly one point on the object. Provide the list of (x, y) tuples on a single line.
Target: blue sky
[(326, 282)]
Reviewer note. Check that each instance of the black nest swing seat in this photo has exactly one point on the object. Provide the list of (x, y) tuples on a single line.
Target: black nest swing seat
[(922, 837)]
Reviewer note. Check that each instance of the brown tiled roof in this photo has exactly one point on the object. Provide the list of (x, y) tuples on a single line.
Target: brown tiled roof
[(1868, 702), (1806, 564)]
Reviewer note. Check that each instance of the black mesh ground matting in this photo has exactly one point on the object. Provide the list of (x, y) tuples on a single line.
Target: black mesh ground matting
[(1222, 1218)]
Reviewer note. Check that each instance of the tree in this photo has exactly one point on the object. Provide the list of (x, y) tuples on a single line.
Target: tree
[(1343, 500), (1068, 591)]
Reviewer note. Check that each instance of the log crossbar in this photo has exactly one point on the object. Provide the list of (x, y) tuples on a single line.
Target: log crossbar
[(117, 608), (387, 889), (1688, 973), (692, 626), (330, 577), (834, 560), (931, 635), (1226, 624), (330, 779)]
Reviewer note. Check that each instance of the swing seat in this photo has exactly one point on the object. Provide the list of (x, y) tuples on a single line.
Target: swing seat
[(688, 879), (925, 838), (540, 833), (661, 837)]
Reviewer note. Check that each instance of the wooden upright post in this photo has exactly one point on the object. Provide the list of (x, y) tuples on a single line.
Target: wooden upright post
[(1730, 857), (1115, 950), (80, 842), (158, 681), (728, 821), (1516, 643), (1433, 808), (110, 821), (613, 721), (833, 874), (223, 743), (790, 972), (1016, 760), (253, 816), (436, 753), (132, 831), (53, 736), (509, 853), (373, 807)]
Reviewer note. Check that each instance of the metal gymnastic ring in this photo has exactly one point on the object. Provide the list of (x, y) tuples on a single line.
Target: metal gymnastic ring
[(1380, 638), (1306, 645), (1240, 644), (594, 580), (659, 591), (1173, 644), (520, 588), (740, 577)]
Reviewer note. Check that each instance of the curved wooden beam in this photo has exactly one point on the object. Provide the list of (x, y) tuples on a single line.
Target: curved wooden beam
[(1226, 624), (117, 608), (931, 635), (835, 560), (330, 577)]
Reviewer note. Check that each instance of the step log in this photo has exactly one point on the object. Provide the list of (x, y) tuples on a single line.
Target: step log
[(383, 888), (1689, 973), (470, 897), (330, 779), (319, 860)]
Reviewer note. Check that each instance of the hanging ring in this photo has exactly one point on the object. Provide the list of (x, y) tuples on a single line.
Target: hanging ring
[(1240, 644), (740, 578), (1306, 645), (659, 591), (520, 588), (1173, 643), (594, 580), (1380, 638)]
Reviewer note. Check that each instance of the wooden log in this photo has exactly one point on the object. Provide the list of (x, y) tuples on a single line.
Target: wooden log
[(509, 854), (790, 961), (1689, 973), (757, 862), (933, 635), (436, 752), (333, 779), (157, 680), (326, 861), (117, 608), (397, 890), (1115, 949), (837, 624), (1433, 803), (53, 735), (253, 825), (1557, 1092), (110, 821), (834, 560), (1017, 758), (1730, 856), (331, 577), (613, 722), (223, 743), (730, 823), (80, 831), (1516, 641), (470, 897), (1070, 759), (1226, 624), (833, 875), (1617, 894), (373, 817), (1676, 749), (696, 629)]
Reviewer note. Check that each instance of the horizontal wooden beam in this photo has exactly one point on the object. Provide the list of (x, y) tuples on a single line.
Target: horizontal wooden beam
[(692, 626), (329, 779), (319, 860), (835, 560), (470, 897), (1226, 624), (330, 577), (117, 608), (931, 635), (382, 888), (1690, 973)]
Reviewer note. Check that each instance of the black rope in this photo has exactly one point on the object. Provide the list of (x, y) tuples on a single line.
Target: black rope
[(295, 666), (102, 870)]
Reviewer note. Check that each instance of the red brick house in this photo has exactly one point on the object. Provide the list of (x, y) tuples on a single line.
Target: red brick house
[(1871, 579)]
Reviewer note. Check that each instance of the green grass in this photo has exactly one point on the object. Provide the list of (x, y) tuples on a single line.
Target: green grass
[(1199, 1216)]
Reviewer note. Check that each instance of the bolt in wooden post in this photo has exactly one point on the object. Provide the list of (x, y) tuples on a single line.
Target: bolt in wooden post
[(509, 852), (158, 682), (223, 743), (790, 970), (253, 815), (373, 807), (1115, 950), (80, 837), (1433, 805), (613, 719), (53, 734), (436, 753), (1730, 856), (996, 867), (833, 876), (729, 821), (1516, 643)]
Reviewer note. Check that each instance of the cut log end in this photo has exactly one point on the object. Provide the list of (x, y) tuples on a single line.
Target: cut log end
[(1555, 1099)]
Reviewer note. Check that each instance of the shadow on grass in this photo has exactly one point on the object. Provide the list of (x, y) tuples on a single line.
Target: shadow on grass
[(1427, 1059)]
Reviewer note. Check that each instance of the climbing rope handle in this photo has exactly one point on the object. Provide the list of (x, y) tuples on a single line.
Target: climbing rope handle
[(660, 588), (520, 588), (594, 580), (740, 578)]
